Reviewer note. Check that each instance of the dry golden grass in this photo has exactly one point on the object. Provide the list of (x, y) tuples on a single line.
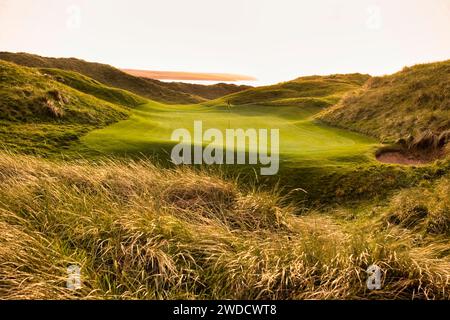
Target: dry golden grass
[(412, 105), (142, 232), (423, 209)]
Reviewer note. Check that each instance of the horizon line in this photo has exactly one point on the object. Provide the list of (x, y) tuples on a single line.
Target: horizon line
[(185, 75)]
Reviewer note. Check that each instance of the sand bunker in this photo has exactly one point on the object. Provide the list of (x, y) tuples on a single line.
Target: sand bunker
[(401, 158), (422, 149), (411, 157)]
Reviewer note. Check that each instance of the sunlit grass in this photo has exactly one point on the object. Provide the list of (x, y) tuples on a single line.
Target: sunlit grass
[(138, 231)]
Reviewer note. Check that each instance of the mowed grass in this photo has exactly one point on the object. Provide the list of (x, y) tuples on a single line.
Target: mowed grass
[(303, 142)]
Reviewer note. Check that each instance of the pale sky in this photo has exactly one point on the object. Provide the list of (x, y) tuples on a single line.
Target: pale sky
[(272, 40)]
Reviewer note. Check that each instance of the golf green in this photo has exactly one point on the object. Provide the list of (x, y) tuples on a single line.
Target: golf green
[(303, 141)]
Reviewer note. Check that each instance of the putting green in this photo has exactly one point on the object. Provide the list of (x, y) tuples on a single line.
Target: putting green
[(303, 141)]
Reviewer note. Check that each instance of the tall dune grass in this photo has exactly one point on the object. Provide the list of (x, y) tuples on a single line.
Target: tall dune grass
[(142, 232)]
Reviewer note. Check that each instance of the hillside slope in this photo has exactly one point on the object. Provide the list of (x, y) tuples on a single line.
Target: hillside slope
[(94, 88), (213, 91), (412, 104), (106, 74), (315, 91), (38, 113), (166, 92)]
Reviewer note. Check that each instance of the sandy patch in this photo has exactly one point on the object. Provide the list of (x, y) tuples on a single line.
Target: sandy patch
[(400, 158)]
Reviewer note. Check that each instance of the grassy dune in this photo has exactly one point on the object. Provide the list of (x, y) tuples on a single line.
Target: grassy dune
[(317, 90), (94, 88), (108, 75), (43, 114), (172, 93), (138, 231), (208, 92), (406, 104)]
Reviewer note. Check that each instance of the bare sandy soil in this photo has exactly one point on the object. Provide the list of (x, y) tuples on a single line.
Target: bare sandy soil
[(400, 158)]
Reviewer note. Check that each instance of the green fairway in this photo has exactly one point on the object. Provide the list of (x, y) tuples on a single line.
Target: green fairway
[(303, 142)]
